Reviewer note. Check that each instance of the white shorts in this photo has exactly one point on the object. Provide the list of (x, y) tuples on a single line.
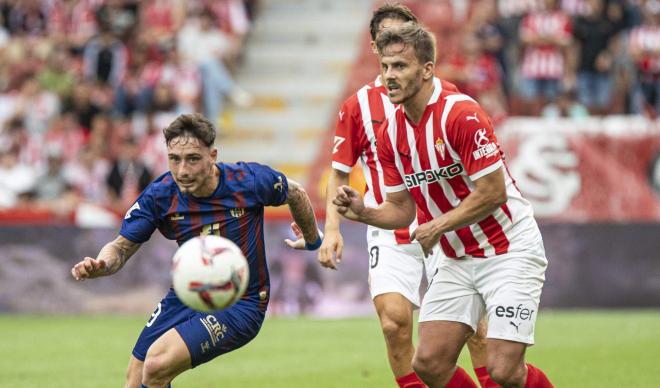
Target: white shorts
[(398, 268), (506, 287)]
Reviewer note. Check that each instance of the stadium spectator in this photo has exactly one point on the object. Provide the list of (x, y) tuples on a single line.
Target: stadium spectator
[(545, 36), (477, 74), (16, 178), (87, 175), (594, 31), (204, 45), (105, 59), (565, 105), (128, 175), (56, 76), (644, 46)]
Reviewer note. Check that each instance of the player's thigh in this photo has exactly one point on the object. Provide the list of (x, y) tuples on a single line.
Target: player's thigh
[(451, 295), (395, 313), (134, 373), (395, 268), (503, 354), (511, 287), (170, 354), (440, 342), (209, 335)]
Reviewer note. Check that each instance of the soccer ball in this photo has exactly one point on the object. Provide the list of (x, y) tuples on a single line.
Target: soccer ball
[(209, 273)]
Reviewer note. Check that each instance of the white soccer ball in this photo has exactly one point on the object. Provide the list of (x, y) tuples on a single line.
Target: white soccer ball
[(209, 273)]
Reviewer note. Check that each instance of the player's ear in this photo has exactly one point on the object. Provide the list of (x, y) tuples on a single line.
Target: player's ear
[(214, 154), (429, 68), (373, 47)]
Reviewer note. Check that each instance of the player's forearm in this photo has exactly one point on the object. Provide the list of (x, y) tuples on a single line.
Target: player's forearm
[(474, 208), (389, 215), (332, 218), (116, 253), (302, 212)]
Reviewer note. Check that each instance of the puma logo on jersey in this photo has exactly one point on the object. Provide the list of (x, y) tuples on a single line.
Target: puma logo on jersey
[(338, 141), (473, 117)]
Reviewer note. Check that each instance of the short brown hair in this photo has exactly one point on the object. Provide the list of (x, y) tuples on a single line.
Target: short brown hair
[(390, 11), (409, 34), (193, 125)]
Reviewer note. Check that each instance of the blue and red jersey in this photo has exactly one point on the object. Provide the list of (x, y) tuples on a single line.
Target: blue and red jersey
[(235, 211)]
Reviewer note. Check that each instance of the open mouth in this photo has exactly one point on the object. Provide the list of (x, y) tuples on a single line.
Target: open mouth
[(393, 87)]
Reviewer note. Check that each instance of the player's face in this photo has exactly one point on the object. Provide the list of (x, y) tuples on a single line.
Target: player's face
[(402, 73), (192, 165)]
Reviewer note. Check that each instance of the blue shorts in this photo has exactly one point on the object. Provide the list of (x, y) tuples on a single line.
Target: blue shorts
[(207, 335)]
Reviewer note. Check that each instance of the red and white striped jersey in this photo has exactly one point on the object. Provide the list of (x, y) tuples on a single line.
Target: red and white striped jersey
[(360, 118), (545, 61), (439, 159)]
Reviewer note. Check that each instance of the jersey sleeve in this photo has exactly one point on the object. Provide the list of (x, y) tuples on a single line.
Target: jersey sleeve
[(387, 158), (470, 134), (141, 219), (346, 148), (271, 187)]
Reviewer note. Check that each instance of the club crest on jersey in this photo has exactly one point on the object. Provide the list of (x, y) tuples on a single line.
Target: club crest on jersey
[(485, 148), (440, 147), (237, 212), (431, 176)]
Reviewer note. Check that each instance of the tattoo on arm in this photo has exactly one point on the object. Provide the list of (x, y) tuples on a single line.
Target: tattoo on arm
[(302, 211), (117, 252)]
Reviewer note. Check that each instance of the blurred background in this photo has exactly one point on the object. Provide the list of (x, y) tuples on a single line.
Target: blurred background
[(573, 87)]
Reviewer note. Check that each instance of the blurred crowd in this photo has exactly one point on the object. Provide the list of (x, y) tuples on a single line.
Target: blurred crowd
[(568, 58), (87, 85)]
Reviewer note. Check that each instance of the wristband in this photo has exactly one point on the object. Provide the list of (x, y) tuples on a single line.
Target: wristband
[(314, 246)]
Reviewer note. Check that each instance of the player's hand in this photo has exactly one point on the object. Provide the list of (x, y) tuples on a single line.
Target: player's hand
[(349, 203), (333, 245), (89, 269), (300, 242), (427, 236)]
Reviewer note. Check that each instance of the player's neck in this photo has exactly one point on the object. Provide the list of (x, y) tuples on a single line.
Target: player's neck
[(416, 105)]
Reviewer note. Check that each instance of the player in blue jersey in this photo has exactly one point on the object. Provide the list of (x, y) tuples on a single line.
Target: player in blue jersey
[(196, 197)]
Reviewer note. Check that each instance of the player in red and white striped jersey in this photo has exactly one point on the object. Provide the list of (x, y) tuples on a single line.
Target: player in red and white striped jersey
[(396, 265), (438, 151)]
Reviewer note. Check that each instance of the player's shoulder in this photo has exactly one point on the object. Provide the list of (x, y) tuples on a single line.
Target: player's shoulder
[(243, 172), (163, 186)]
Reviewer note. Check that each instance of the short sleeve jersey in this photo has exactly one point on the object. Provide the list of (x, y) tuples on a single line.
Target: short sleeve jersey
[(438, 160), (235, 211)]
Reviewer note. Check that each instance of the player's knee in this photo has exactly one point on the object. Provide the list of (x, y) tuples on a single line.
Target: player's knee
[(155, 371), (396, 329), (506, 374), (428, 364)]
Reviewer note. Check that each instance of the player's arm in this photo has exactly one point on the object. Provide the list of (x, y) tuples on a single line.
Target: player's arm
[(397, 211), (489, 194), (110, 259), (303, 215), (333, 242)]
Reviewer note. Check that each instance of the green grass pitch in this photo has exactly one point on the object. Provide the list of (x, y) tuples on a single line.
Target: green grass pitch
[(576, 349)]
